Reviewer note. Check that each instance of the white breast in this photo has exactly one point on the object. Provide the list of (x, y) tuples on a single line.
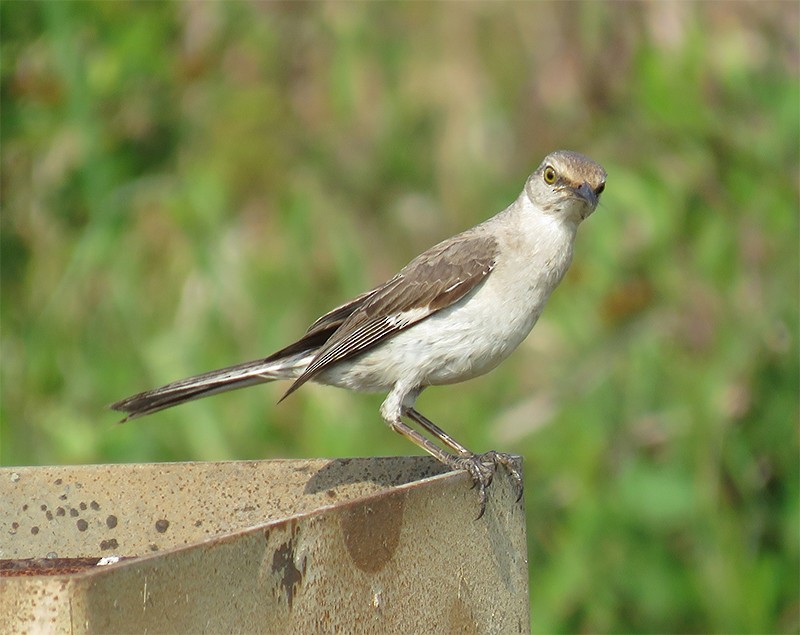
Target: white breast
[(475, 334)]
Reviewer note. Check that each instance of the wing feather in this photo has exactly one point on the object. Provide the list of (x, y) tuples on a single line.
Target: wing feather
[(431, 282)]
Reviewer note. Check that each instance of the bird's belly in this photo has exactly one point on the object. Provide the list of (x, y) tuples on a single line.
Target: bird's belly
[(458, 343)]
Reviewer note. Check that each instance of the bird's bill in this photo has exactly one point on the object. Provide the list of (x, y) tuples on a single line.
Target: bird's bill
[(585, 191)]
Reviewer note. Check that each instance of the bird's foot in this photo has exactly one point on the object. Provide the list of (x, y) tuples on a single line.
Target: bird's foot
[(480, 472), (512, 463), (481, 468)]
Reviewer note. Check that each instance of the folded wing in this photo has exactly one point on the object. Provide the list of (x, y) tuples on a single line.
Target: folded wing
[(431, 282)]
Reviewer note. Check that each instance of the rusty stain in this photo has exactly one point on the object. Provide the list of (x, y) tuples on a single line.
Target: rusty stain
[(290, 576), (372, 532), (44, 566)]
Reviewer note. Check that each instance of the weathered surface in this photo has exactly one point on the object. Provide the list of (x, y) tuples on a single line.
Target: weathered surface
[(350, 545)]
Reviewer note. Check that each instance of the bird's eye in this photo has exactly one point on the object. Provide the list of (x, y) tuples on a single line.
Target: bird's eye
[(549, 175)]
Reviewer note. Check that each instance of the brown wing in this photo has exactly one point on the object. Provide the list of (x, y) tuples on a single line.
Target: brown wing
[(434, 280), (321, 330)]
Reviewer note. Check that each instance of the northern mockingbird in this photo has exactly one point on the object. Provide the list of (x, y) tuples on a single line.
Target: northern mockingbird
[(451, 314)]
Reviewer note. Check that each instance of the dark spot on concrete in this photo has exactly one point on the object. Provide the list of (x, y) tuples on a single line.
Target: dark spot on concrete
[(94, 505), (290, 576), (105, 545), (153, 546), (58, 481), (43, 508), (111, 521), (25, 507), (15, 525), (82, 506), (73, 512), (82, 525), (198, 523), (371, 531), (49, 515), (60, 511), (34, 530), (63, 497), (162, 525), (330, 493)]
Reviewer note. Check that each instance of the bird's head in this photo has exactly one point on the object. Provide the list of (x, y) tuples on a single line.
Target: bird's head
[(567, 184)]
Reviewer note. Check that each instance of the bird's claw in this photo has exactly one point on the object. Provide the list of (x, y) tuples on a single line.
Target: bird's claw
[(512, 463), (481, 468), (480, 472)]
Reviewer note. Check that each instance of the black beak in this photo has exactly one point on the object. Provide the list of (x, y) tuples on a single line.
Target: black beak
[(585, 191)]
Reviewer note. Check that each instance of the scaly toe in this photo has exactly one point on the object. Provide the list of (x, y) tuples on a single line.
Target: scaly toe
[(481, 474), (512, 463)]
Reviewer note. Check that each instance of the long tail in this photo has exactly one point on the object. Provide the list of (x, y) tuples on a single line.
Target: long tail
[(231, 378)]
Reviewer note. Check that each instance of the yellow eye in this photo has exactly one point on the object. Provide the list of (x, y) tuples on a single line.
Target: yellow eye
[(549, 175)]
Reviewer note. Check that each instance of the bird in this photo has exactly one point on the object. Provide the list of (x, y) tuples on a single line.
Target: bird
[(451, 314)]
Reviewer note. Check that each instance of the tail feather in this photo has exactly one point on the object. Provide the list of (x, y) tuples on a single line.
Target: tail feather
[(211, 383)]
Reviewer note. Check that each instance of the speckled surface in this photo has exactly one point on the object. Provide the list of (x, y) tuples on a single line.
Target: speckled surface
[(355, 545), (135, 509)]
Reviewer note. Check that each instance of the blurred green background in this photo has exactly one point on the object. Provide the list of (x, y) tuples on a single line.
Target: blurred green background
[(188, 185)]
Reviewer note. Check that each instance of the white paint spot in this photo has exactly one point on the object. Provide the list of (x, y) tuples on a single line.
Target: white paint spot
[(107, 560)]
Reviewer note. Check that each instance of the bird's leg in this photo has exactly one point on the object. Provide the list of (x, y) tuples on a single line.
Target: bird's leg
[(480, 473), (481, 467), (437, 432), (510, 462)]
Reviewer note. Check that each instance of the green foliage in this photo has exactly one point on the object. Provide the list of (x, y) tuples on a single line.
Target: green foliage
[(188, 185)]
